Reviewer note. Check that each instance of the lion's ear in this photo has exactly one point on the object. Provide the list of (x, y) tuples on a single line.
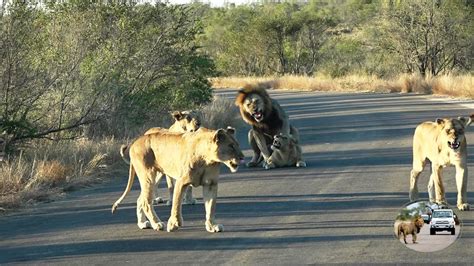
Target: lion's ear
[(440, 121), (219, 135), (230, 130), (177, 115)]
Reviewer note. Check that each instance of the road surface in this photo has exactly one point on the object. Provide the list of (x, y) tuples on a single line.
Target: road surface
[(340, 209)]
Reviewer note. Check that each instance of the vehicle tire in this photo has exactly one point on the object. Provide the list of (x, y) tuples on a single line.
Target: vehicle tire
[(453, 231), (432, 232)]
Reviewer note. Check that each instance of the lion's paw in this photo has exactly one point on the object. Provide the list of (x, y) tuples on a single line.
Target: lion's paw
[(214, 228), (159, 226), (269, 166), (144, 225), (464, 207), (173, 225), (301, 164)]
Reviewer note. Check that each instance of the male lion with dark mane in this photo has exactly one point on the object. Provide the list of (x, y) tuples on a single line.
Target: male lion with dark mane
[(267, 119), (443, 143), (409, 228), (192, 158)]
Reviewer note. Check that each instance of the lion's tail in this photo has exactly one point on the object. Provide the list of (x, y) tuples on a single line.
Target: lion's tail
[(123, 149), (131, 177)]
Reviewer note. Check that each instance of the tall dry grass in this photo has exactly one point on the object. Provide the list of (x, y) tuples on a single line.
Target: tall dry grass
[(220, 113), (45, 170), (456, 86)]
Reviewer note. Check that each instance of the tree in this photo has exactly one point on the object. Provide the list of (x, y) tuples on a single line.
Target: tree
[(430, 36)]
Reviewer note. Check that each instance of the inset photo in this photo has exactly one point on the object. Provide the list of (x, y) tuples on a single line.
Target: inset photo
[(427, 227)]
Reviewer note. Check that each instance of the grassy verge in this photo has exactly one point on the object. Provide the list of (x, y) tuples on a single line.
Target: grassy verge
[(45, 170), (461, 86)]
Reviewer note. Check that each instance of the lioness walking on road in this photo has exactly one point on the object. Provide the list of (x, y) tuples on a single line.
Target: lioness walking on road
[(192, 158), (443, 143)]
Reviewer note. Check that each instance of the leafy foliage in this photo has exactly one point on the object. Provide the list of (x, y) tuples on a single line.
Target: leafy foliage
[(67, 65)]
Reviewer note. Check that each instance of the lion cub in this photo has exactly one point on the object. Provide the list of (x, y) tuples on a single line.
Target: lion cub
[(286, 152), (443, 143)]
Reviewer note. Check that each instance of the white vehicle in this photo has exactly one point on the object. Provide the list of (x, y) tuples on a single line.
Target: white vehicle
[(442, 220)]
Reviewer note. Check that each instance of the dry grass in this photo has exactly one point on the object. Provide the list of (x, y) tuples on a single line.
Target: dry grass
[(455, 86), (220, 113), (45, 170)]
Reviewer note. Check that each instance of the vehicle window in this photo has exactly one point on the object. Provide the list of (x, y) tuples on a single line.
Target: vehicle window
[(442, 215)]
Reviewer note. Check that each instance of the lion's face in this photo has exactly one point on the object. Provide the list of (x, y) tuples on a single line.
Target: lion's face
[(189, 121), (227, 149), (255, 106), (282, 142), (452, 132), (419, 223)]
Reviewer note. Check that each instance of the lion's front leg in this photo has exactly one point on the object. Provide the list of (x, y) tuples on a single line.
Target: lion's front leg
[(176, 217), (209, 192), (461, 184), (256, 158), (262, 144), (438, 183)]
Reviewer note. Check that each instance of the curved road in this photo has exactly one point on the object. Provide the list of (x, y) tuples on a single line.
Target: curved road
[(339, 209)]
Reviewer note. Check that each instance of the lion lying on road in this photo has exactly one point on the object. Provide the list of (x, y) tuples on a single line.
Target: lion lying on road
[(409, 228), (193, 158), (285, 152), (443, 143), (184, 121), (267, 119)]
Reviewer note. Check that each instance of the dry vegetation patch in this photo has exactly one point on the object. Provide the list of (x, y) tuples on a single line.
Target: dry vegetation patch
[(43, 170), (456, 86)]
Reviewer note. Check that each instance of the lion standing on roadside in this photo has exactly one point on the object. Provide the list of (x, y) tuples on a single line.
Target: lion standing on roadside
[(409, 228), (192, 158), (267, 119), (443, 143)]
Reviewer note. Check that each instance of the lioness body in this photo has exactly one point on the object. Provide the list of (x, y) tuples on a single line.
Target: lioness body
[(190, 158), (408, 228), (286, 152), (267, 119), (184, 121), (443, 143)]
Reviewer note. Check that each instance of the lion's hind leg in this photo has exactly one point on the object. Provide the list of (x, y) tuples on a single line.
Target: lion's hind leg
[(145, 209)]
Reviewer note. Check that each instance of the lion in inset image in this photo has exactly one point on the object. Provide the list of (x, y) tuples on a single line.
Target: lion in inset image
[(285, 152), (443, 143), (184, 121), (409, 228), (267, 119), (192, 158)]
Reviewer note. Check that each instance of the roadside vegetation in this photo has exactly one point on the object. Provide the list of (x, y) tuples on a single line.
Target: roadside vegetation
[(460, 86), (79, 78)]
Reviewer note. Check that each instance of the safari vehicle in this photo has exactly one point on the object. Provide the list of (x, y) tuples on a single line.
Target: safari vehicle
[(442, 220)]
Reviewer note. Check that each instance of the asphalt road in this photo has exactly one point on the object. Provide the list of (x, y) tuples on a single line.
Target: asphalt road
[(340, 209)]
